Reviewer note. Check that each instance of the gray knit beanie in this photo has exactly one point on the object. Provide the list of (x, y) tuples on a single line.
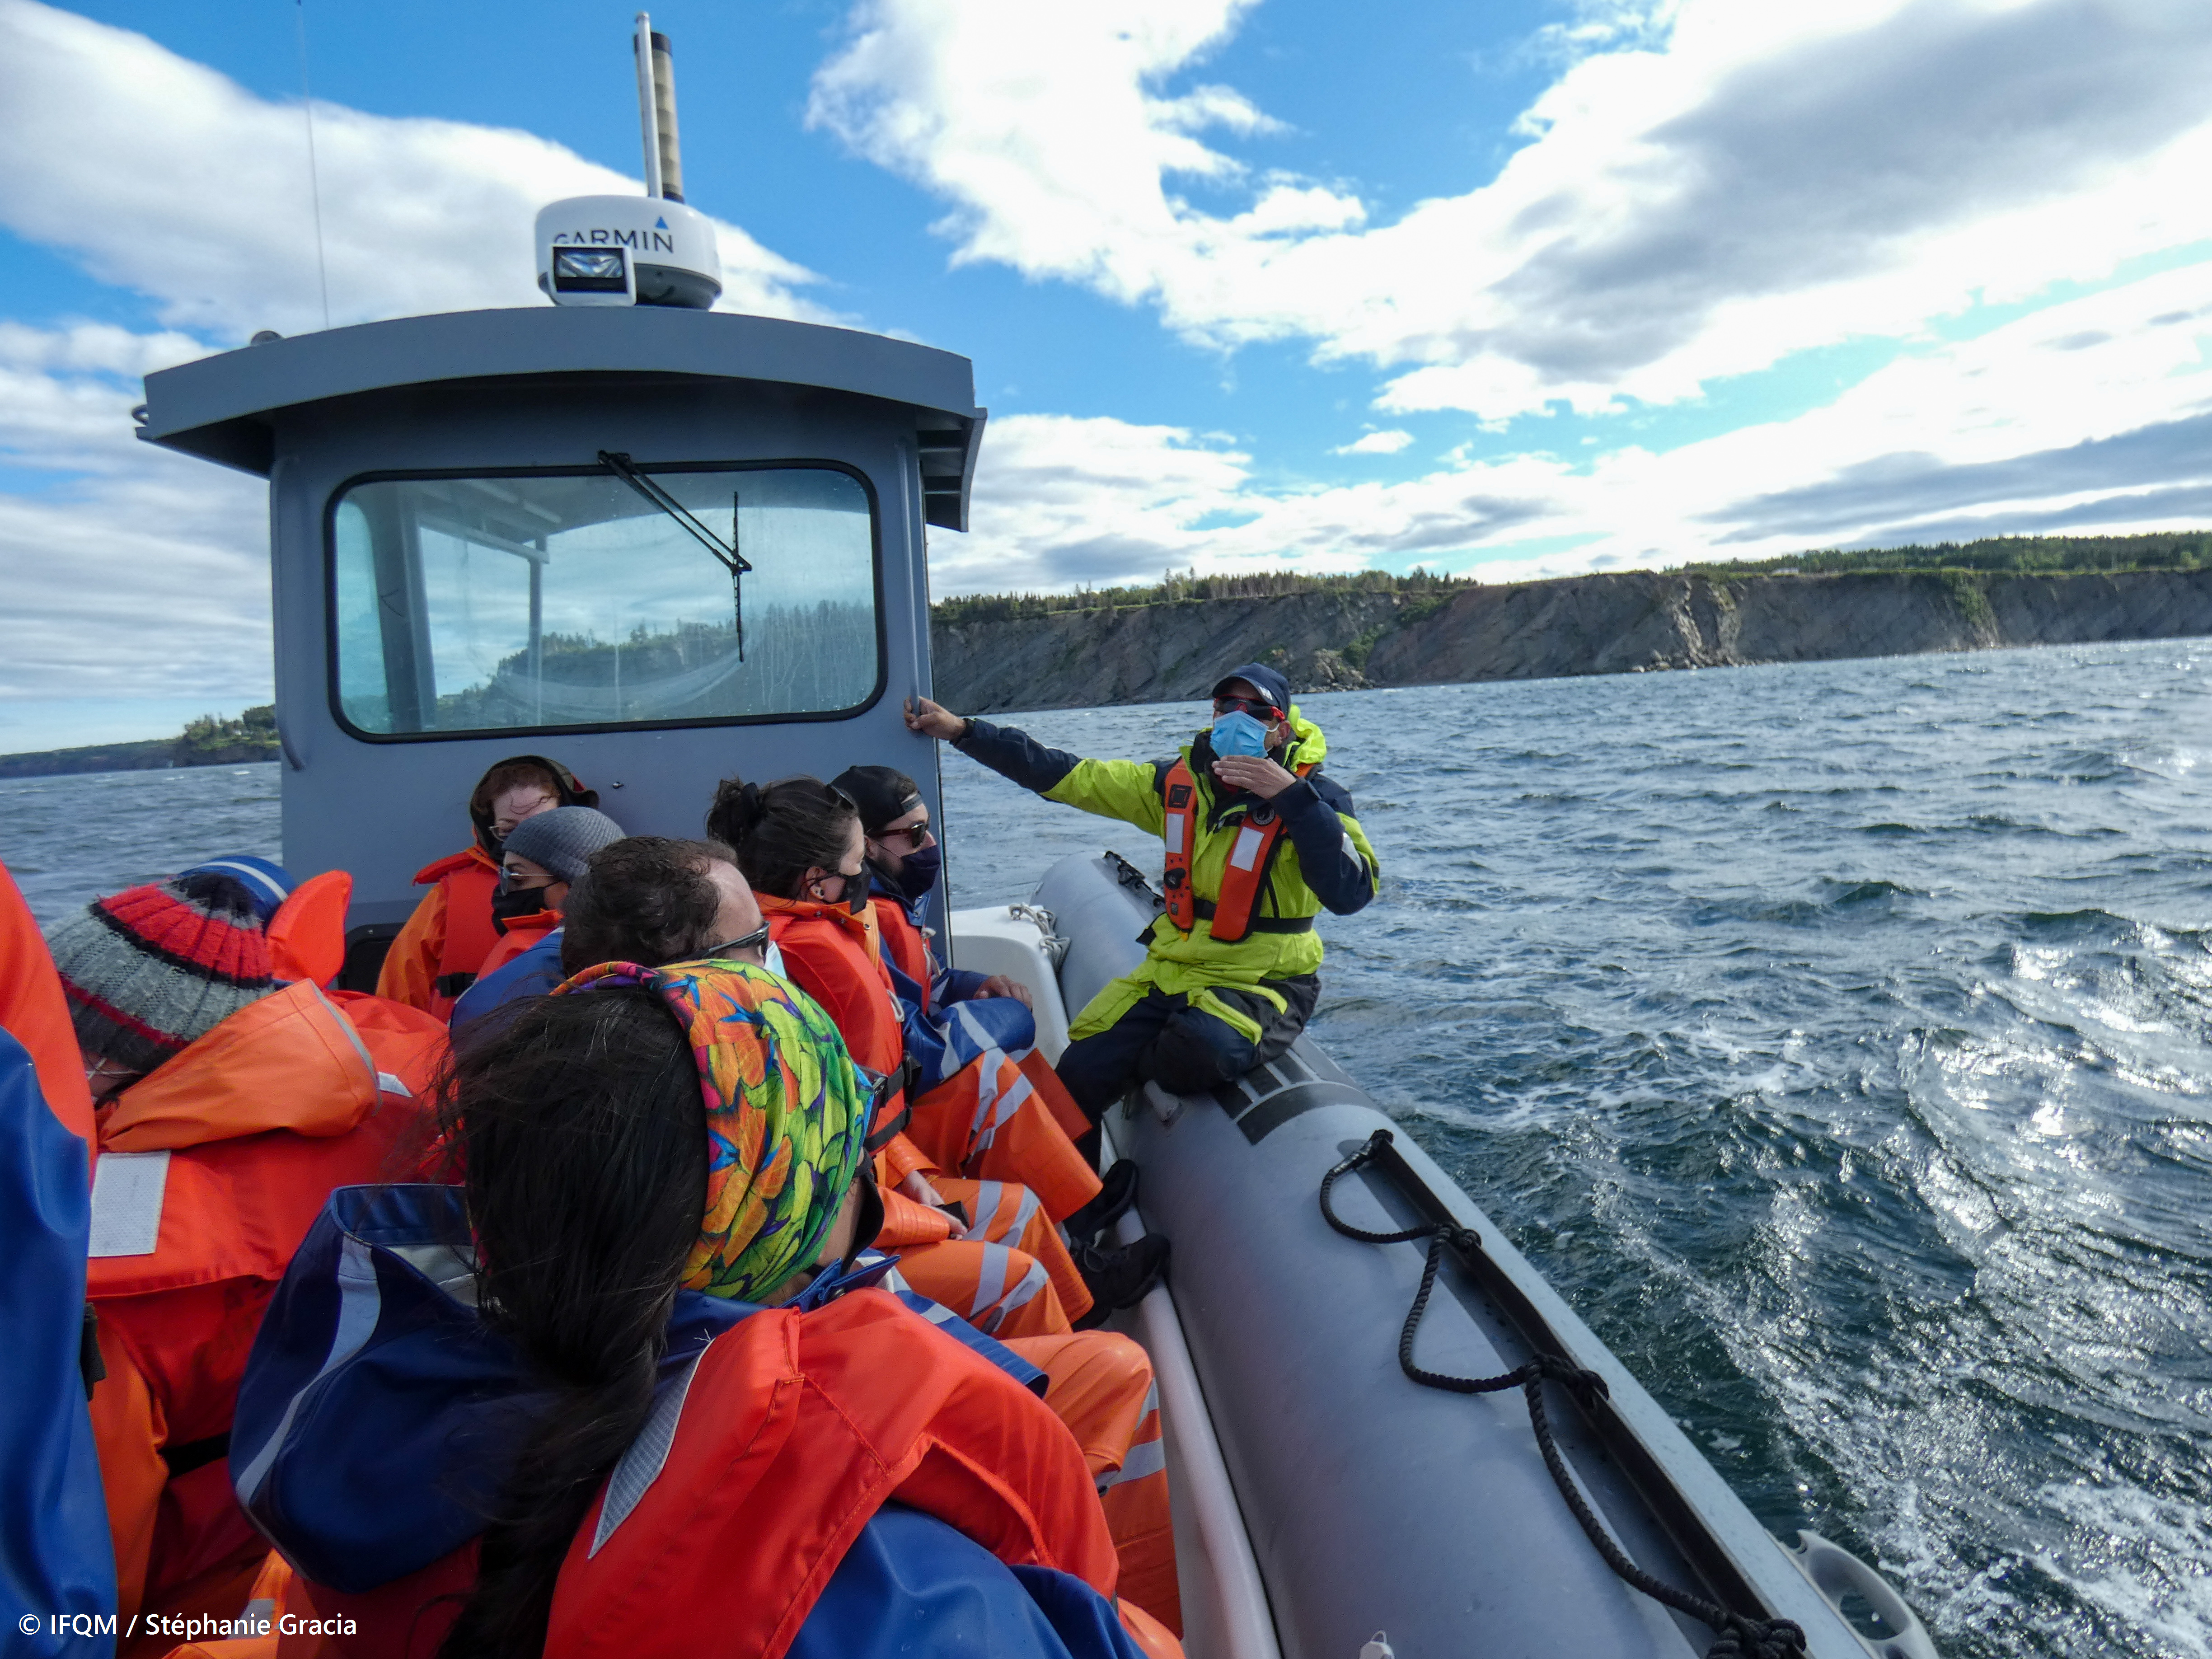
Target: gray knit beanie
[(564, 839)]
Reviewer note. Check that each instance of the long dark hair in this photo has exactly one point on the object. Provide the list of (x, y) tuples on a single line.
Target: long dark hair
[(577, 1127), (783, 829)]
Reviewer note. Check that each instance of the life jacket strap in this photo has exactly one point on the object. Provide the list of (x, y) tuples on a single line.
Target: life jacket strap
[(1263, 924), (1258, 838)]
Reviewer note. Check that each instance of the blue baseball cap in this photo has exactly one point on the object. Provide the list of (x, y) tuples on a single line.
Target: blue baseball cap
[(1264, 680)]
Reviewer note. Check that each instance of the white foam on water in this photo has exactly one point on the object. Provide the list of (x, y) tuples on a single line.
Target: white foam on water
[(2145, 1560)]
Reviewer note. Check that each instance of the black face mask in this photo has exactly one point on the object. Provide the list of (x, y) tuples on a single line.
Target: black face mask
[(505, 905), (917, 875), (856, 890)]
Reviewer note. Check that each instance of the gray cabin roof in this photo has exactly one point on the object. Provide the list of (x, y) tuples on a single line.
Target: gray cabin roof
[(224, 408)]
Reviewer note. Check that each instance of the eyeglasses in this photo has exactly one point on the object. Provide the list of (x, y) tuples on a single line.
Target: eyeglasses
[(757, 939), (848, 876), (1262, 711), (913, 834)]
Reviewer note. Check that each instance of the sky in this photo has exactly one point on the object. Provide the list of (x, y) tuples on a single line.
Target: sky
[(1528, 288)]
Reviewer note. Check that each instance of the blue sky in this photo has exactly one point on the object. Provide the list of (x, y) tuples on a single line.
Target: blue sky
[(1517, 290)]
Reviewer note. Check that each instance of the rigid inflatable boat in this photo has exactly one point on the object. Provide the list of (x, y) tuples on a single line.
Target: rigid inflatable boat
[(664, 544), (1324, 1500)]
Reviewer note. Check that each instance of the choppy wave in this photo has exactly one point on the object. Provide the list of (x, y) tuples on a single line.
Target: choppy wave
[(1860, 1099), (1835, 1036)]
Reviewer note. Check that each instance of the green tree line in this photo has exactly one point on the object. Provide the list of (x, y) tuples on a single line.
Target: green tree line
[(1176, 587), (2164, 549)]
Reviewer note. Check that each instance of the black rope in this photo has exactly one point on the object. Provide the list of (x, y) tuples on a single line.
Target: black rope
[(1739, 1638)]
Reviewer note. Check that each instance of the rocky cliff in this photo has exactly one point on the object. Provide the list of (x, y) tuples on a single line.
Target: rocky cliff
[(1607, 624)]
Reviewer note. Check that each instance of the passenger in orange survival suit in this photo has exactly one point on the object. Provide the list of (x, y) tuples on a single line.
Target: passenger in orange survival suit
[(229, 1104), (693, 1424), (439, 953)]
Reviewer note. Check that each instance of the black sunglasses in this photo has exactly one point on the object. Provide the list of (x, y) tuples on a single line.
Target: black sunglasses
[(911, 834), (1263, 711), (753, 941)]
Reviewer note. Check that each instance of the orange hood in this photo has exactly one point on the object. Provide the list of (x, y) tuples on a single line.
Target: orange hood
[(290, 1061)]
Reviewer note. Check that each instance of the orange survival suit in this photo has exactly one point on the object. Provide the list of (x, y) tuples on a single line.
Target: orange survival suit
[(209, 1171), (832, 954)]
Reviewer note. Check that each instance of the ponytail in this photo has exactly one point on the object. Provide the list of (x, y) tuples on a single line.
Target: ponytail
[(783, 829), (577, 1127)]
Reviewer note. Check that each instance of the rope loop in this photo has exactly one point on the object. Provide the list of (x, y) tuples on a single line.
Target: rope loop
[(1758, 1639), (1739, 1638)]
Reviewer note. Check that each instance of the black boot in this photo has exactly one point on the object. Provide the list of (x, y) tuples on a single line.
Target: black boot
[(1116, 1193), (1118, 1278)]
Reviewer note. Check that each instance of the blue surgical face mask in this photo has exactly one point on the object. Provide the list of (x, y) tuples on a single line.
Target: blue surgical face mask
[(919, 871), (1238, 733), (772, 959)]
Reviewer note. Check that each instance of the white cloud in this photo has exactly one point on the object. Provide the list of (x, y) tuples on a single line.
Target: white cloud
[(1376, 443), (2093, 414), (160, 175), (1061, 500), (1708, 187), (136, 574)]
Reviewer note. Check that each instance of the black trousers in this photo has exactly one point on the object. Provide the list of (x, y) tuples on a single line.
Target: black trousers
[(1163, 1040)]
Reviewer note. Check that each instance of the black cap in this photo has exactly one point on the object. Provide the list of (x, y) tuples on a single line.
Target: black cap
[(1266, 680), (883, 795)]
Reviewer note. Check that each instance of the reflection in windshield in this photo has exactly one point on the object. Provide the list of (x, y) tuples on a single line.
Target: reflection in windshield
[(488, 604)]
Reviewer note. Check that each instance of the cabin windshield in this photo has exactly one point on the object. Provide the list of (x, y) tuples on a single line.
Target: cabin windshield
[(548, 601)]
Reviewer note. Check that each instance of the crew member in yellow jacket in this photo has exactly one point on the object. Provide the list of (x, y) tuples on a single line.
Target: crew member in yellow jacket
[(1258, 843)]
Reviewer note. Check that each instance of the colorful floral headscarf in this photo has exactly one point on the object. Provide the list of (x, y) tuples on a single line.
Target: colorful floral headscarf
[(786, 1117)]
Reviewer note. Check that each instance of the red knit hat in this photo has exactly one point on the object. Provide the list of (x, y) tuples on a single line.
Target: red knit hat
[(150, 971)]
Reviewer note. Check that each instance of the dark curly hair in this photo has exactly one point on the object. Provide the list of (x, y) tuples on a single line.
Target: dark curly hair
[(647, 898)]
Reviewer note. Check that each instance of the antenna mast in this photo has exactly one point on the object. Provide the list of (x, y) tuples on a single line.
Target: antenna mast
[(656, 111)]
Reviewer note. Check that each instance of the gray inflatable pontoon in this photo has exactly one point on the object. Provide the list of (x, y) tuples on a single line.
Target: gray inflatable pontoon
[(1345, 1501)]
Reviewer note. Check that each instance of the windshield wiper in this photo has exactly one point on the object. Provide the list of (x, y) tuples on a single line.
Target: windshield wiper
[(732, 561)]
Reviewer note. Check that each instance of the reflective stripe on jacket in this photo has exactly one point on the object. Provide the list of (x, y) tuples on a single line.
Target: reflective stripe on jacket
[(947, 1025)]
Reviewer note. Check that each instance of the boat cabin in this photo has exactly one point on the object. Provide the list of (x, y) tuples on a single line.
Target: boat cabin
[(659, 544)]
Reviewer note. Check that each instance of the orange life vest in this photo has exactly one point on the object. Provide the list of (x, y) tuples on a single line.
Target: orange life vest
[(469, 879), (1242, 880), (909, 950), (796, 1429), (522, 932), (307, 936), (834, 956)]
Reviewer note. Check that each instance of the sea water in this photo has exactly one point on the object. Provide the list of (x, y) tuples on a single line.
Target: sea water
[(1838, 1038)]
